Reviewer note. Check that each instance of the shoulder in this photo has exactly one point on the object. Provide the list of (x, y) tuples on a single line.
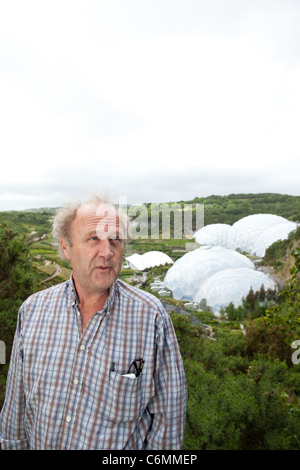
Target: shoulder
[(46, 296), (145, 305), (151, 309), (40, 304), (140, 296)]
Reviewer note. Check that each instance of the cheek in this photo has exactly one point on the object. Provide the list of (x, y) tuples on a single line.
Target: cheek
[(79, 257), (118, 255)]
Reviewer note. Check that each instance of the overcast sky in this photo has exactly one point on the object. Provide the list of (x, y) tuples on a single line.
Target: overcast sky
[(158, 100)]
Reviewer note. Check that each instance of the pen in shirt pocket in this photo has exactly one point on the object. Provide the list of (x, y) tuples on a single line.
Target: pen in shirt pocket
[(135, 368)]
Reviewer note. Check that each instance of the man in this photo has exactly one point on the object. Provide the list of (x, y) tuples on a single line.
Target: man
[(95, 362)]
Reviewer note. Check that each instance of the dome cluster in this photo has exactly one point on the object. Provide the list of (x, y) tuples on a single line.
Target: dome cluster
[(189, 272), (231, 286), (252, 234), (216, 274)]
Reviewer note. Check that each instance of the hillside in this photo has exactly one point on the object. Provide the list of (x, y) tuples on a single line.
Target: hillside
[(229, 209), (278, 258), (35, 225)]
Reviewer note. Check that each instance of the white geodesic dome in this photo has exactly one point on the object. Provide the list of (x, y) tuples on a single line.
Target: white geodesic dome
[(188, 273), (273, 234), (149, 259), (252, 234), (213, 235), (245, 233), (232, 285)]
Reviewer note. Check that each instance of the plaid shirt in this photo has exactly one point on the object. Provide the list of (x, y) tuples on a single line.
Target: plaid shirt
[(61, 392)]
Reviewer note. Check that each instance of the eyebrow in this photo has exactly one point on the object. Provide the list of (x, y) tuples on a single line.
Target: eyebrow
[(115, 232), (91, 233)]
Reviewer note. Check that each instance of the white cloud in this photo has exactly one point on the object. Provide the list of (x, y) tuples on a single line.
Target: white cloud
[(163, 99)]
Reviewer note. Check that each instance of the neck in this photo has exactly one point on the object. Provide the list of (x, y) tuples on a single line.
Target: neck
[(89, 302), (89, 306), (94, 301)]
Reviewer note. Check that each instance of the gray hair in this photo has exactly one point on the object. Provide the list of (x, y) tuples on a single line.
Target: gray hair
[(65, 215)]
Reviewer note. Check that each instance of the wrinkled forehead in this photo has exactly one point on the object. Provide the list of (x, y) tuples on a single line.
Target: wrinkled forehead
[(101, 219)]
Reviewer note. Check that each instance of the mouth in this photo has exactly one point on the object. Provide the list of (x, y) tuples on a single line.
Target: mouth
[(103, 268)]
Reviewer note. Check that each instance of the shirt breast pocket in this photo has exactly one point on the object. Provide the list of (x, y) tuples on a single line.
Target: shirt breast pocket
[(123, 401)]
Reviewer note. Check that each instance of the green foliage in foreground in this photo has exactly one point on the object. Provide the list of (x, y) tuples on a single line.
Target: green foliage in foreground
[(287, 311), (239, 398), (241, 411), (18, 279)]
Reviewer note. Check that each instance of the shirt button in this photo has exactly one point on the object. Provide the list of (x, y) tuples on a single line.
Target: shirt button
[(76, 381), (82, 347), (68, 419)]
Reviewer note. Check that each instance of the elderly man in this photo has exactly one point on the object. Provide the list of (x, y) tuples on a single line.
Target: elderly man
[(95, 362)]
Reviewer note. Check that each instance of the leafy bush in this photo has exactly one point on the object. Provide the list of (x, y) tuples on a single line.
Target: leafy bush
[(18, 279)]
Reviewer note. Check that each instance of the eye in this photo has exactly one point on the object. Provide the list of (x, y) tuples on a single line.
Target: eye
[(114, 240), (94, 238)]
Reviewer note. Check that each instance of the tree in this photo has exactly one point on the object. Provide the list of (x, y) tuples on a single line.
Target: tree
[(18, 279), (17, 276), (246, 411), (268, 340), (241, 391), (287, 312)]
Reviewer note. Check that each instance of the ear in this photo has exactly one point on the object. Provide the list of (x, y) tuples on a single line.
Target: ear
[(65, 248)]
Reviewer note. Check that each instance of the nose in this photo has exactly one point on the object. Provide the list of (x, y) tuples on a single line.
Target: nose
[(104, 249)]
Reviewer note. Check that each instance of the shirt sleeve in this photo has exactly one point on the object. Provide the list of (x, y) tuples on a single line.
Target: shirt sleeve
[(12, 432), (168, 405)]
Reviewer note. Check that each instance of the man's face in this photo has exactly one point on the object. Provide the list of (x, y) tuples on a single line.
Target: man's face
[(96, 249)]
